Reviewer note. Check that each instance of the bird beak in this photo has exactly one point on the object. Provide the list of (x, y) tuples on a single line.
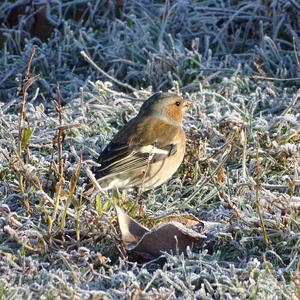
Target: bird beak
[(186, 104)]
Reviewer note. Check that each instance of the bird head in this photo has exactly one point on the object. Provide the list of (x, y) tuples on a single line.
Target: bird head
[(167, 105)]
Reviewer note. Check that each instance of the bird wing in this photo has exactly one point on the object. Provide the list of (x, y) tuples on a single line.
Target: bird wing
[(138, 143)]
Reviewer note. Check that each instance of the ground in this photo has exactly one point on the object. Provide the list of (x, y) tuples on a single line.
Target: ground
[(73, 73)]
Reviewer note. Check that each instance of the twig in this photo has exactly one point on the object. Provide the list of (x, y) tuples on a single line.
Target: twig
[(273, 78), (73, 183), (27, 84), (202, 182), (28, 81), (295, 4), (257, 193), (229, 202), (292, 104), (60, 132), (244, 157), (225, 156), (297, 278), (141, 188), (124, 85), (225, 100), (93, 179)]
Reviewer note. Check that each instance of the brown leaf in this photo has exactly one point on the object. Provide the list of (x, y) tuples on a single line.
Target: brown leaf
[(188, 220), (221, 176), (167, 237), (131, 230)]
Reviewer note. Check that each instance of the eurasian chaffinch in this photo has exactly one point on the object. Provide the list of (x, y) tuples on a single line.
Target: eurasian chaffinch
[(148, 150)]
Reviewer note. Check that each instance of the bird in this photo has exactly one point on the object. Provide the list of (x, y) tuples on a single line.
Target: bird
[(148, 149)]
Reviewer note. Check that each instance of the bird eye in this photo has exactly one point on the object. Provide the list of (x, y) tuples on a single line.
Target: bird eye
[(177, 103)]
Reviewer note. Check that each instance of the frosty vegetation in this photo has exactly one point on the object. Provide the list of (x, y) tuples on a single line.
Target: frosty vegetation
[(238, 61)]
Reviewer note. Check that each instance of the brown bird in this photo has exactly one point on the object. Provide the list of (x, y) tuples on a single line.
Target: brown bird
[(148, 150)]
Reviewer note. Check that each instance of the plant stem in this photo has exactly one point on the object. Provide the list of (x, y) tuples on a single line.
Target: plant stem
[(257, 193)]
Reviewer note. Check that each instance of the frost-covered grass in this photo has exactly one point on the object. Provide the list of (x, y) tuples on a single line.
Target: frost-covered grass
[(238, 63)]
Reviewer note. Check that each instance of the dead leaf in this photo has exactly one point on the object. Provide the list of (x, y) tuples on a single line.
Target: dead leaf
[(131, 230), (221, 176), (185, 219), (169, 237)]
